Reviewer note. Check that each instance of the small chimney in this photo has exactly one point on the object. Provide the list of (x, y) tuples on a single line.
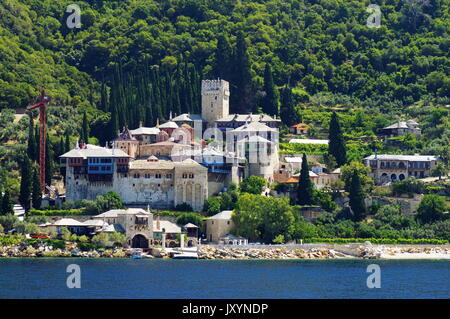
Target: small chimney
[(140, 123)]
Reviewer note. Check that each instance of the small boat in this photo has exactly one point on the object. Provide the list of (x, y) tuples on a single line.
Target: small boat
[(185, 255), (75, 253), (136, 254)]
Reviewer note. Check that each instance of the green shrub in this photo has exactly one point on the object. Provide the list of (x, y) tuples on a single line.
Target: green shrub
[(59, 212), (185, 207), (86, 246), (10, 240), (56, 243), (193, 218)]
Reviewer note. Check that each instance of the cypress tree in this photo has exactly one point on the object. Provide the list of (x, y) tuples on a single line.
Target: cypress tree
[(67, 146), (104, 98), (114, 123), (289, 114), (38, 144), (85, 129), (336, 145), (48, 162), (223, 58), (305, 190), (32, 147), (241, 90), (356, 197), (270, 101), (25, 184), (61, 149), (36, 196), (7, 205)]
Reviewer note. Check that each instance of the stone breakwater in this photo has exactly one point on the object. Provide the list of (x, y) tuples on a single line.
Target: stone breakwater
[(364, 251), (331, 252), (211, 252), (399, 252)]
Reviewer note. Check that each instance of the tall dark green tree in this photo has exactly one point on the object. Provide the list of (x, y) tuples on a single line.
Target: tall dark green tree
[(305, 190), (38, 146), (114, 123), (48, 162), (357, 196), (223, 58), (32, 147), (25, 184), (67, 146), (270, 101), (36, 192), (289, 114), (7, 205), (336, 145), (85, 129), (61, 147), (242, 97)]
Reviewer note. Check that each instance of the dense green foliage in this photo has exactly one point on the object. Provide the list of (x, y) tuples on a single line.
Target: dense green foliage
[(60, 212), (252, 185), (431, 208), (6, 204), (264, 218), (320, 45), (193, 218)]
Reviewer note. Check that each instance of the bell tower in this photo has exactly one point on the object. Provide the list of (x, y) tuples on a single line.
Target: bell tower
[(215, 100)]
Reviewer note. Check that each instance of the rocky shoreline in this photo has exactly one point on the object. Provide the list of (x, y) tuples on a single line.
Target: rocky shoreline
[(363, 251), (211, 252), (332, 252)]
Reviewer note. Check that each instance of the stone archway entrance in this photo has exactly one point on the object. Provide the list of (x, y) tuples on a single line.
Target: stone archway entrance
[(139, 241)]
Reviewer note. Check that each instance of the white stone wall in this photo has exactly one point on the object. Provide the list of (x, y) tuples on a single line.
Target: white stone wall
[(160, 193)]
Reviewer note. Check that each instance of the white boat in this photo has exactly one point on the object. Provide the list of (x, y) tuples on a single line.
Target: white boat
[(185, 255)]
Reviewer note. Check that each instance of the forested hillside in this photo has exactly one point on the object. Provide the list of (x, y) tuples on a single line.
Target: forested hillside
[(316, 46), (139, 60)]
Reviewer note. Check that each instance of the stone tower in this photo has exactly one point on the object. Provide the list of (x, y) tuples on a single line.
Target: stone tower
[(215, 100)]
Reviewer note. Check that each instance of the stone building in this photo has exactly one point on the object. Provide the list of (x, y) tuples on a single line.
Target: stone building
[(126, 142), (94, 170), (162, 149), (215, 100), (393, 168), (145, 135), (170, 231), (401, 128), (219, 225), (135, 223)]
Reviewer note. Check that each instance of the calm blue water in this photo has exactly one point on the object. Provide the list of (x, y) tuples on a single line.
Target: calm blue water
[(128, 278)]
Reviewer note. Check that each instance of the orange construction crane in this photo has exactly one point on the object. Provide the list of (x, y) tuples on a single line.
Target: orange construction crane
[(43, 100)]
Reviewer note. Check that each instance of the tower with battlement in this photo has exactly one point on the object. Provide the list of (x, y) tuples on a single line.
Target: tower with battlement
[(215, 100)]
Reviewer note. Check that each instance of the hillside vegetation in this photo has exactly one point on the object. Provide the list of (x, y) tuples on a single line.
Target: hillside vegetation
[(140, 60)]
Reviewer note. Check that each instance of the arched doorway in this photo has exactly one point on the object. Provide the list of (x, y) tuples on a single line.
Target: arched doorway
[(384, 178), (190, 243), (393, 177), (401, 177), (139, 241)]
